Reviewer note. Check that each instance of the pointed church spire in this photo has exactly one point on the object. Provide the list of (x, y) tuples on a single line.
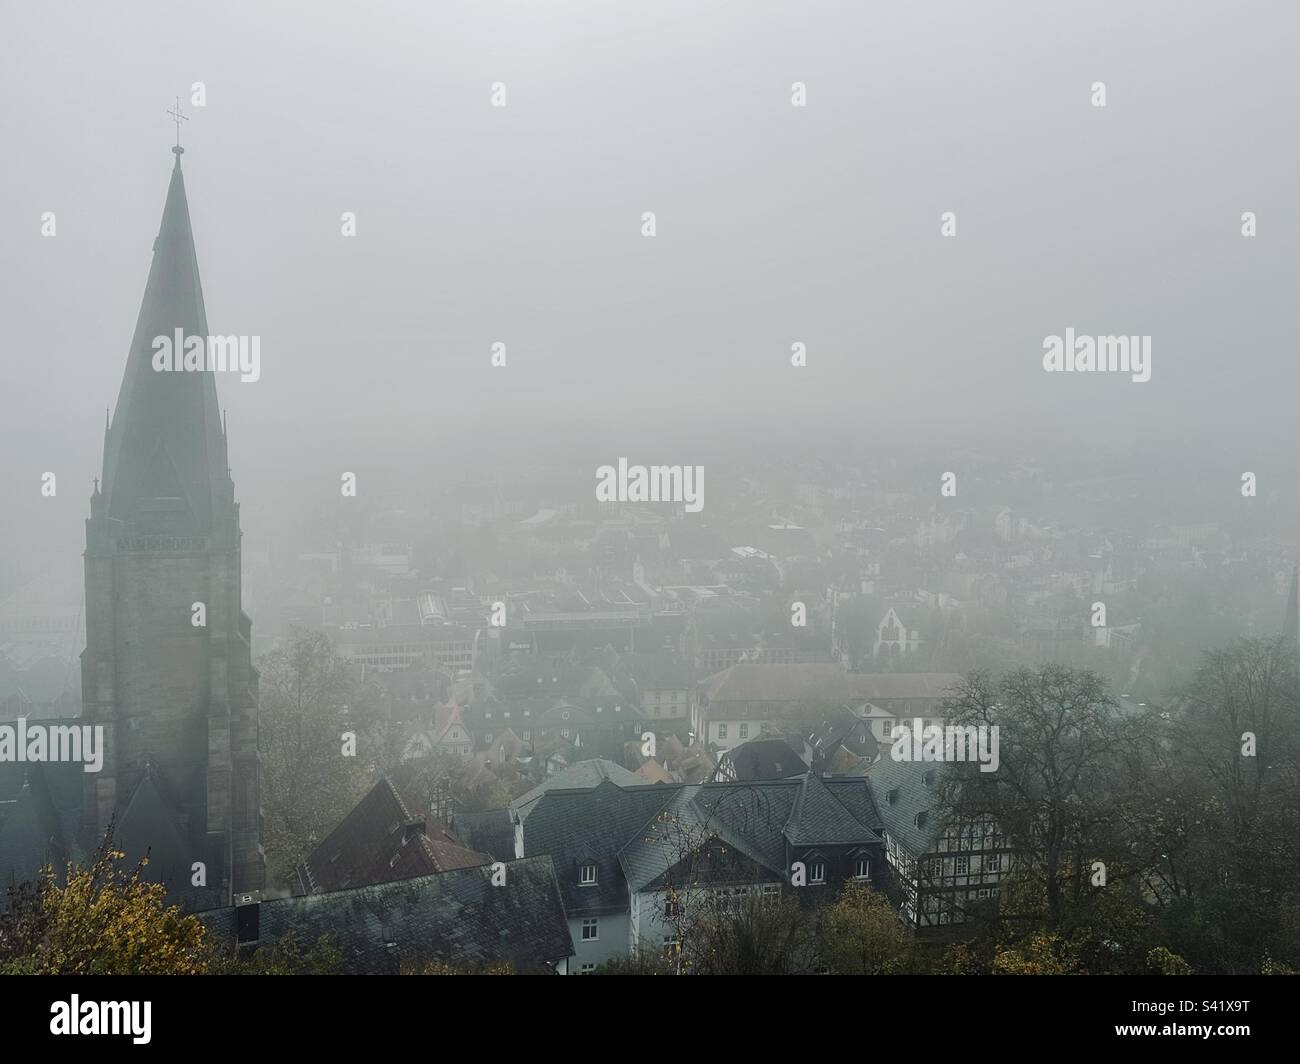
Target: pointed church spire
[(163, 465)]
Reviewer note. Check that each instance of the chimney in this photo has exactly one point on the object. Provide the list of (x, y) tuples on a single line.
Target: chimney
[(248, 917), (413, 827)]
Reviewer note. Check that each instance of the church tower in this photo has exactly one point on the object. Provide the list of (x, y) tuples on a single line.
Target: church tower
[(177, 698)]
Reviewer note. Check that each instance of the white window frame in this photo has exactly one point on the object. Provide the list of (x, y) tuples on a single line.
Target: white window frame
[(585, 880), (592, 924)]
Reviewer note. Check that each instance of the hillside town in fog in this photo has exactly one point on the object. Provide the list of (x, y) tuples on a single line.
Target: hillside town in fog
[(512, 722), (588, 489)]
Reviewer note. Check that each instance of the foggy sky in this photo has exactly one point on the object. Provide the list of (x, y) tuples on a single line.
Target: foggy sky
[(775, 224)]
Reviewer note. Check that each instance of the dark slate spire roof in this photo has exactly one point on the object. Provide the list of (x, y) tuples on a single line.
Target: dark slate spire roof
[(164, 459)]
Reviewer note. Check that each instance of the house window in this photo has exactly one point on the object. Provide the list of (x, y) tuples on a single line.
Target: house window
[(887, 728), (722, 731), (590, 929), (564, 733), (586, 875), (817, 872), (744, 731), (963, 866), (992, 862), (487, 737), (586, 969), (862, 868)]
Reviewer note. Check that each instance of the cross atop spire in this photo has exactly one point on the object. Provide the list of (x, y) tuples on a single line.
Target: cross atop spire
[(178, 117)]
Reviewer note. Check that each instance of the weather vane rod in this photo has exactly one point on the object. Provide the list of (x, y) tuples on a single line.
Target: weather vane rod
[(178, 117)]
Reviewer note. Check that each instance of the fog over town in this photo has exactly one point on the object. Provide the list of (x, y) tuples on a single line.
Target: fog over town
[(579, 488)]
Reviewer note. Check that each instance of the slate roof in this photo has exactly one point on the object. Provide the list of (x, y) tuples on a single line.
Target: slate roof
[(581, 774), (590, 826), (147, 827), (636, 834), (905, 782), (380, 841), (744, 817), (765, 759), (819, 817), (851, 729), (491, 832), (457, 917)]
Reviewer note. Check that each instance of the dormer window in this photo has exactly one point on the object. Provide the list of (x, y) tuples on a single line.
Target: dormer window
[(892, 797), (927, 777), (816, 872), (861, 868), (922, 818), (587, 875)]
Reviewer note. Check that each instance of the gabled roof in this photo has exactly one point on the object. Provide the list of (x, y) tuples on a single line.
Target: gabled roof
[(820, 818), (458, 917), (590, 826), (685, 825), (147, 827), (765, 759), (444, 718), (380, 841), (579, 775), (755, 820)]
